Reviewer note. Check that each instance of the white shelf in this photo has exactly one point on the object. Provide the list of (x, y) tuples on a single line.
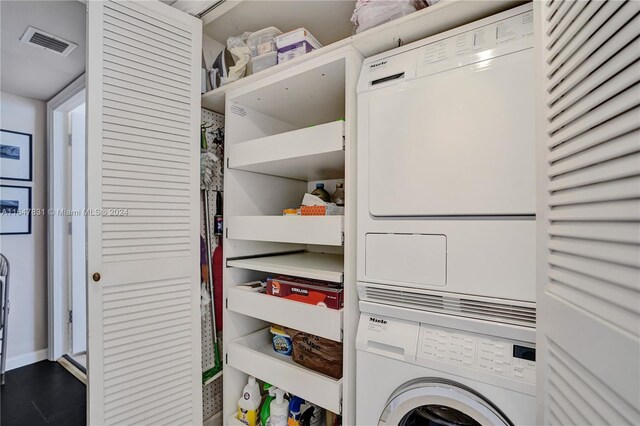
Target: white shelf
[(318, 230), (323, 322), (214, 100), (233, 420), (254, 355), (313, 153), (315, 266)]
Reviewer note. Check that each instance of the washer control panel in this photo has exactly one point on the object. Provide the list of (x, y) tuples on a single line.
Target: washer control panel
[(501, 357)]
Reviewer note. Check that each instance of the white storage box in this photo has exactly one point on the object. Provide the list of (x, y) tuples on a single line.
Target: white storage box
[(263, 62), (262, 42), (295, 43)]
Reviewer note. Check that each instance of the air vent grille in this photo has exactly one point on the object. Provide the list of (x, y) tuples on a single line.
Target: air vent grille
[(517, 313), (46, 41)]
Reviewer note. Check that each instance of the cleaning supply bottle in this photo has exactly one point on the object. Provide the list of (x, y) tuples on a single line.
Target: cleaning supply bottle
[(321, 193), (249, 403), (311, 415), (294, 410), (279, 410), (338, 195), (265, 411)]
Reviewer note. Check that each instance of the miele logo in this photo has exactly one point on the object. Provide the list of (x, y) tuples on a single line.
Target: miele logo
[(379, 64), (377, 320)]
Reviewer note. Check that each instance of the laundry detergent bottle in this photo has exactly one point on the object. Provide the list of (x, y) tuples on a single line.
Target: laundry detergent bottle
[(295, 403), (249, 403), (279, 410)]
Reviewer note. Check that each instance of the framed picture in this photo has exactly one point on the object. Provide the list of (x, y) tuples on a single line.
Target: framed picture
[(15, 155), (15, 210)]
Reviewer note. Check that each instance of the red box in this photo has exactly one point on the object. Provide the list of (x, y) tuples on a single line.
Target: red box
[(321, 293), (313, 210)]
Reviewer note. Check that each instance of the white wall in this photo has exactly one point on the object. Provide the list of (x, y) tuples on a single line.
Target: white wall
[(27, 324)]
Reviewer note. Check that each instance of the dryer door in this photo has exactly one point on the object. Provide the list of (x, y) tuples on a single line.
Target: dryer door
[(439, 402), (443, 145)]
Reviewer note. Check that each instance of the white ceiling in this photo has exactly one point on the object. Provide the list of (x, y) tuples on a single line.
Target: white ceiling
[(32, 72)]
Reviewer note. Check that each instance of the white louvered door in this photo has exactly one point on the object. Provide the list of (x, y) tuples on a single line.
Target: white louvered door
[(143, 112), (588, 212)]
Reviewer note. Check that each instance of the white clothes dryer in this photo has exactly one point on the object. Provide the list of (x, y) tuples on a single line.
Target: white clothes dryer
[(446, 172), (416, 368)]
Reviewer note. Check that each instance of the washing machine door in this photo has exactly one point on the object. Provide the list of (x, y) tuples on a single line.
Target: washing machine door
[(435, 402)]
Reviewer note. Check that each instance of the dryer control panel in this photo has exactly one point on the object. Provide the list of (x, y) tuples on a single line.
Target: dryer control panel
[(475, 351)]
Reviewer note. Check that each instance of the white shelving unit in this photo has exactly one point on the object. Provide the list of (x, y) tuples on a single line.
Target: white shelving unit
[(307, 154), (232, 420), (284, 133), (323, 322), (320, 230), (315, 266), (254, 355)]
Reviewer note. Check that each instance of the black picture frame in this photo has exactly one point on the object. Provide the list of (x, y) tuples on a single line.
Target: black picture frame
[(27, 209), (30, 159)]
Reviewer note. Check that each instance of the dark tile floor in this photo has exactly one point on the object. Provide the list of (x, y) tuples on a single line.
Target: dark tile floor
[(42, 394)]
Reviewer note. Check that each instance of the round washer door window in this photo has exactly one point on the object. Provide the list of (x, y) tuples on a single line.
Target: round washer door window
[(437, 402), (437, 415)]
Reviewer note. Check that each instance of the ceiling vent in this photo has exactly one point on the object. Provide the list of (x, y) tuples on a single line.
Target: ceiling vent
[(46, 41)]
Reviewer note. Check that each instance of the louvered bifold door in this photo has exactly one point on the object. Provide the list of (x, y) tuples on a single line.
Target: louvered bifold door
[(589, 212), (143, 110)]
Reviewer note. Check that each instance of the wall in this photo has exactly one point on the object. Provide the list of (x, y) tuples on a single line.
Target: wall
[(27, 324)]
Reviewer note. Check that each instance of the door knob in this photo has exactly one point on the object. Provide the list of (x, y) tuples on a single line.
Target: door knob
[(96, 276)]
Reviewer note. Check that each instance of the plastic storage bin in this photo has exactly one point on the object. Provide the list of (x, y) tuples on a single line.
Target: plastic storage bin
[(263, 62), (295, 43), (262, 42)]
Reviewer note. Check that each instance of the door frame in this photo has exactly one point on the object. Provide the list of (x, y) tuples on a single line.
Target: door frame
[(58, 274)]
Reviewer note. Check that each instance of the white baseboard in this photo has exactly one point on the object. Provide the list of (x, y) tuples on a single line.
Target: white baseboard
[(26, 359)]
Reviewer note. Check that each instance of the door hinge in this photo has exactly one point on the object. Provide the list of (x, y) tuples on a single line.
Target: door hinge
[(69, 139), (226, 359), (226, 233), (344, 143), (70, 317), (226, 303), (340, 407), (341, 334), (343, 238), (228, 163), (70, 228)]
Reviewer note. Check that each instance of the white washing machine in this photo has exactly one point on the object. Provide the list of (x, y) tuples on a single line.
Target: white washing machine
[(446, 172), (427, 369)]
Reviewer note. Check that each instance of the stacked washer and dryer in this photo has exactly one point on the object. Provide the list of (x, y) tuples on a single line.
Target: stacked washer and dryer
[(446, 229)]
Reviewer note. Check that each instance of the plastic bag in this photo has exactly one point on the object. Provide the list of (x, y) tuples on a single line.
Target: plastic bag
[(317, 353), (238, 48), (371, 13)]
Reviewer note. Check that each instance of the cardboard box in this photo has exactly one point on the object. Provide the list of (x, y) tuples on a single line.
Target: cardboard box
[(320, 293)]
